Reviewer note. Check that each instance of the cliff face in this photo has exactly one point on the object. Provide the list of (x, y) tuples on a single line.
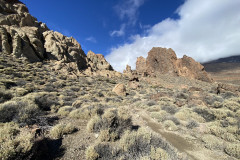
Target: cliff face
[(24, 37), (165, 61)]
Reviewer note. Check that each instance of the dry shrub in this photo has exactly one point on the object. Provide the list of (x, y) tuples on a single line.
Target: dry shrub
[(235, 99), (228, 137), (172, 109), (20, 110), (212, 98), (87, 112), (154, 108), (106, 135), (233, 150), (14, 142), (192, 124), (216, 130), (212, 142), (158, 153), (64, 111), (232, 105), (186, 114), (61, 129), (170, 125), (160, 116), (205, 113), (238, 113), (139, 144), (77, 103), (222, 113), (232, 129), (232, 121), (143, 143), (91, 153), (21, 92), (174, 119), (115, 121), (5, 96), (45, 101), (151, 103)]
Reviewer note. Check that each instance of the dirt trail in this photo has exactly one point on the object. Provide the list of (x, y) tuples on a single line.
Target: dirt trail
[(178, 142), (193, 152)]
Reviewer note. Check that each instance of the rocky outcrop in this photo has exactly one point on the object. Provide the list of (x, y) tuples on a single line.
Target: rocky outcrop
[(66, 49), (128, 70), (21, 33), (164, 61), (97, 62), (188, 67), (161, 61), (15, 13), (141, 67), (98, 66), (24, 37)]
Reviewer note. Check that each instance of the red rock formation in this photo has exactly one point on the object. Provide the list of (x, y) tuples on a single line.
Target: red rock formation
[(161, 61), (164, 61), (141, 65)]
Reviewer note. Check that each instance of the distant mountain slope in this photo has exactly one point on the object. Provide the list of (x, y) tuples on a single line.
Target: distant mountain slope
[(232, 59), (226, 70)]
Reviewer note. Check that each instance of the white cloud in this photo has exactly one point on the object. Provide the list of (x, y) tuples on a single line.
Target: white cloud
[(128, 9), (206, 30), (118, 33), (91, 39)]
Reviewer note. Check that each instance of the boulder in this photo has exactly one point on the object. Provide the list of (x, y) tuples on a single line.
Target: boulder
[(120, 89)]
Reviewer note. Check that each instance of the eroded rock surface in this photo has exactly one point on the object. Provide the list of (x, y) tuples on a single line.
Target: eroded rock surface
[(120, 89), (97, 62), (24, 37), (164, 61)]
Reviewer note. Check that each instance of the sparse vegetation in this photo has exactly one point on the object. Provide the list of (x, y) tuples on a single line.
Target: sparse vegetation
[(64, 111), (233, 150), (169, 125), (192, 124), (14, 142), (21, 111), (41, 105), (61, 129), (111, 124), (134, 145), (212, 142)]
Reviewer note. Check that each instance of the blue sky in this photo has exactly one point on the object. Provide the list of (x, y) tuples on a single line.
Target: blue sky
[(93, 22), (123, 30)]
